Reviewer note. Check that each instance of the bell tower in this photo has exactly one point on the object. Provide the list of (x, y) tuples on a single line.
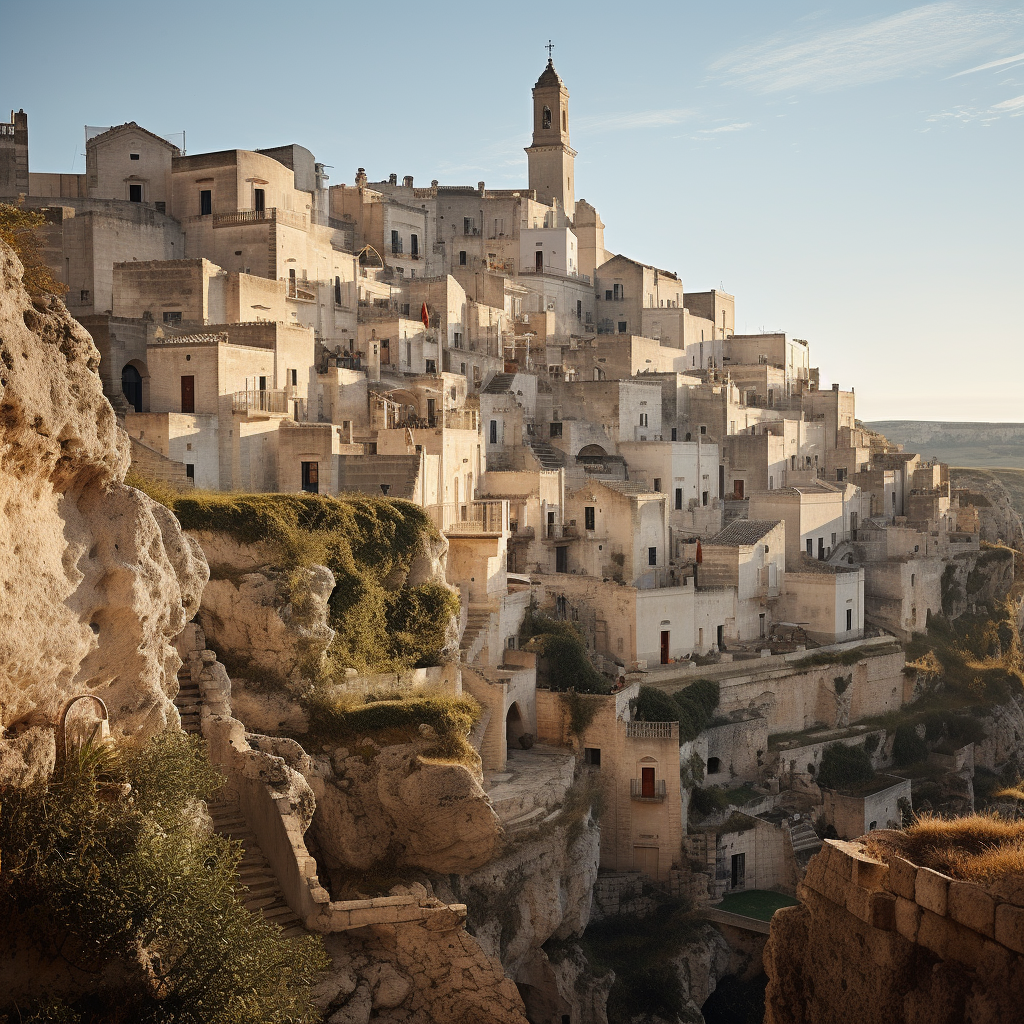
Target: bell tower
[(550, 156)]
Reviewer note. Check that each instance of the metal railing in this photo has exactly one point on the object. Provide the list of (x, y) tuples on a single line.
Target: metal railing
[(652, 730), (554, 272), (489, 518), (655, 792), (260, 401)]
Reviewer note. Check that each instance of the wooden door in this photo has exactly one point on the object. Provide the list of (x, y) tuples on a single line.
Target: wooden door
[(664, 647), (645, 860), (647, 782), (188, 394)]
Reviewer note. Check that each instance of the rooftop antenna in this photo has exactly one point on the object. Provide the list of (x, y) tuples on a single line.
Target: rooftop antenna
[(549, 48)]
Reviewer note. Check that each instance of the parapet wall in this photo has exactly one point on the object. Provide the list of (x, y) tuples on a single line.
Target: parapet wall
[(892, 941)]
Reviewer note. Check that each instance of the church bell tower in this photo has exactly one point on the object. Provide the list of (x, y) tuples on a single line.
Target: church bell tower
[(550, 156)]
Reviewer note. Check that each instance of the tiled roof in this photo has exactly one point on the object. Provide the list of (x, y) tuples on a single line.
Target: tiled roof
[(744, 531)]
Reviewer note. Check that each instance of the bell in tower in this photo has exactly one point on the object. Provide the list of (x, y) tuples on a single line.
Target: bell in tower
[(550, 156)]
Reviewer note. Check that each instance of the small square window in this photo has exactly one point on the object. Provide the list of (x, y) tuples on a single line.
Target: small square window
[(133, 156), (592, 756)]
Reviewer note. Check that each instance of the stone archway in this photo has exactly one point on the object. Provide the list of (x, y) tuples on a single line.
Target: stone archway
[(514, 727), (135, 385)]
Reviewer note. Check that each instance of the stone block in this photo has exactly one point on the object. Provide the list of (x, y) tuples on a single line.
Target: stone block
[(931, 890), (815, 874), (968, 904), (858, 902), (1010, 926), (935, 933), (965, 945), (869, 873), (908, 918), (883, 911), (902, 878), (841, 856)]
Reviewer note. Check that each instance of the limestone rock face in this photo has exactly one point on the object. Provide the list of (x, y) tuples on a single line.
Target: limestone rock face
[(1004, 736), (423, 973), (97, 579), (252, 615), (430, 815)]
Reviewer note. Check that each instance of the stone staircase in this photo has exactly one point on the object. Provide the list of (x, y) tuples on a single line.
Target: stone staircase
[(263, 892), (188, 701), (547, 455), (499, 384), (803, 837), (474, 639)]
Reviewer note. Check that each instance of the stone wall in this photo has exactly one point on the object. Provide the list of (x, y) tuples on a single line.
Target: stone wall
[(890, 941)]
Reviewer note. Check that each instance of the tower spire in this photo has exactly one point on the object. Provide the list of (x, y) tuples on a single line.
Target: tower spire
[(549, 48)]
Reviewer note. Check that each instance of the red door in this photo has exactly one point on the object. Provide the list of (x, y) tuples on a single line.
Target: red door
[(738, 489), (664, 647), (188, 394), (647, 782)]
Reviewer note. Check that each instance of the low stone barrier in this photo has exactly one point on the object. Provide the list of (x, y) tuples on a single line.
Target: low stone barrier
[(277, 804)]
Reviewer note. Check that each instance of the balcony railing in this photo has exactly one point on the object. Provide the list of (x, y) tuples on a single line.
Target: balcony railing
[(471, 518), (653, 793), (555, 272), (240, 217), (652, 730), (259, 401)]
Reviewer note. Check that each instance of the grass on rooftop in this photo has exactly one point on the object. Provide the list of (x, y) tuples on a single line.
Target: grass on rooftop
[(756, 903)]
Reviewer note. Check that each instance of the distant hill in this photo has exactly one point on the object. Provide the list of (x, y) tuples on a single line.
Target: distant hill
[(987, 445)]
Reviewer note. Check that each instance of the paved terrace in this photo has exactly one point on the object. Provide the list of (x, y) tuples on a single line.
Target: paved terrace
[(532, 787)]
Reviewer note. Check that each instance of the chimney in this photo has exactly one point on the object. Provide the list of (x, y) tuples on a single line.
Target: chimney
[(835, 387), (407, 181), (481, 187), (392, 179)]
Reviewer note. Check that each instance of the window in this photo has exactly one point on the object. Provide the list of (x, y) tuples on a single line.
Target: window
[(912, 577), (259, 200), (652, 556), (588, 517), (172, 317), (294, 374), (579, 309), (675, 434), (462, 257), (833, 540), (704, 497), (714, 765), (263, 383), (545, 118), (467, 224), (205, 202), (643, 419), (431, 366), (457, 339), (133, 156), (311, 477), (337, 291), (872, 826), (810, 547), (617, 292), (679, 497), (396, 242), (840, 474), (494, 431), (608, 295), (622, 327), (703, 428), (592, 756), (657, 479), (849, 619), (135, 193), (555, 430), (565, 120)]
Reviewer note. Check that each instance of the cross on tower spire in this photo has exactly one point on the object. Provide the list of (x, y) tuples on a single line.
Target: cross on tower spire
[(549, 48)]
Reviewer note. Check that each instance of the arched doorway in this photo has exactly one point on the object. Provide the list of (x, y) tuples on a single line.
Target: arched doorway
[(590, 451), (514, 728), (131, 386)]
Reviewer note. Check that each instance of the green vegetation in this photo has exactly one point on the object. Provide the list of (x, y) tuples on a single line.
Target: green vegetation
[(976, 848), (908, 748), (710, 801), (693, 707), (19, 228), (831, 658), (640, 951), (582, 709), (843, 765), (394, 717), (562, 645), (757, 903), (108, 862), (363, 541)]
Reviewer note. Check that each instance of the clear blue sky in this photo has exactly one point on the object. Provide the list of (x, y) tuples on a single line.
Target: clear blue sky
[(853, 173)]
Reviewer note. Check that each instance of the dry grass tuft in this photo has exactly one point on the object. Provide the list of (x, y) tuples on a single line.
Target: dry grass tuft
[(975, 848)]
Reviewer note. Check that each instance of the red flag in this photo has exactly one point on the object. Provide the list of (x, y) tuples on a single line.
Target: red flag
[(425, 316)]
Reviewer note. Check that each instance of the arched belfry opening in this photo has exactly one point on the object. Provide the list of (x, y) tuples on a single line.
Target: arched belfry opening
[(545, 118)]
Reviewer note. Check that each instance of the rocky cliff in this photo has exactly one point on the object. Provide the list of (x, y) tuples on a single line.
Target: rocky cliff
[(97, 578), (885, 940)]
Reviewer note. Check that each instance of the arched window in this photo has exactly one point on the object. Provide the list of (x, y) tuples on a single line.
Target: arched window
[(545, 118), (131, 386)]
